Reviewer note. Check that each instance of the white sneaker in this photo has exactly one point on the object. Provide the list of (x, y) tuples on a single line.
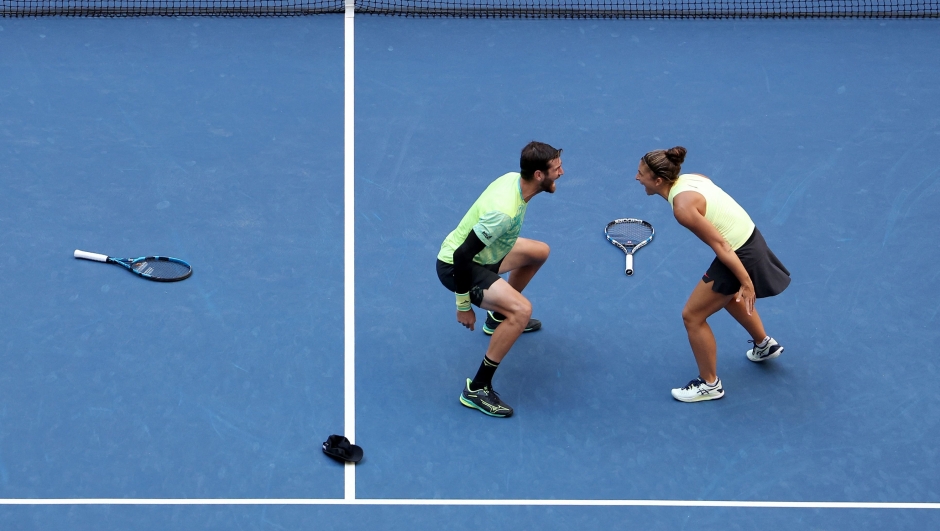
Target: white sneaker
[(768, 352), (697, 390)]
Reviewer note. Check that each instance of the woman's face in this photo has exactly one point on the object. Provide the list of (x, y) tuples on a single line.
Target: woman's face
[(645, 177)]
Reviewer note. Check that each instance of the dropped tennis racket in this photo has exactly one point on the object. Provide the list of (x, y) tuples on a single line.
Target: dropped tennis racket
[(629, 235), (159, 268)]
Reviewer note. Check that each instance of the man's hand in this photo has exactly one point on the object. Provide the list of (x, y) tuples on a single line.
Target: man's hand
[(467, 318)]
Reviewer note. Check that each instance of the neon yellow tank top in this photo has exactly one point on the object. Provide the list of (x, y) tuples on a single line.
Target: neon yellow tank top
[(723, 212)]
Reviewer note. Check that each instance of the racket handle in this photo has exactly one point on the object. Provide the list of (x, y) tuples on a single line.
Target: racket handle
[(91, 256), (629, 270)]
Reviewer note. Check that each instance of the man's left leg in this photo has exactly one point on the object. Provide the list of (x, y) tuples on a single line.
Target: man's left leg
[(522, 263), (478, 392)]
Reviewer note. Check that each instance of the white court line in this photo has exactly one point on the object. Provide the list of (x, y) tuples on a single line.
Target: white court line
[(349, 252), (439, 502)]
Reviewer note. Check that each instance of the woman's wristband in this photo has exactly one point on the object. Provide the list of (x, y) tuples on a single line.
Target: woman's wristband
[(463, 302)]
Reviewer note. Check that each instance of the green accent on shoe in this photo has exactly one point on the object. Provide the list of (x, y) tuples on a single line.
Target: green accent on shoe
[(489, 326), (485, 400)]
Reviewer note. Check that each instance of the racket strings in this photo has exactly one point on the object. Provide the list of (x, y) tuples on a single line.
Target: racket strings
[(165, 269), (629, 233)]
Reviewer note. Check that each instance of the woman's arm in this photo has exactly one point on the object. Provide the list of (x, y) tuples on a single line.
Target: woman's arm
[(689, 209)]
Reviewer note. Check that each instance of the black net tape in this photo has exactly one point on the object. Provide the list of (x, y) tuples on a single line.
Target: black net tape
[(485, 8), (653, 8), (133, 8)]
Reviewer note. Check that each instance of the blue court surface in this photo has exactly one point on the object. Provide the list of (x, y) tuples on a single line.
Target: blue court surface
[(126, 404)]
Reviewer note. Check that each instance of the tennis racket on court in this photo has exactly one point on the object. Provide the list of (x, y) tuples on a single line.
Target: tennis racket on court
[(159, 268), (629, 235)]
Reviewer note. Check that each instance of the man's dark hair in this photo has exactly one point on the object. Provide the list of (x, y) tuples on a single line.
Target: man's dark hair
[(536, 156)]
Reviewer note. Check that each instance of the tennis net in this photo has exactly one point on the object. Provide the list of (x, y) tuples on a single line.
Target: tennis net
[(486, 8), (133, 8)]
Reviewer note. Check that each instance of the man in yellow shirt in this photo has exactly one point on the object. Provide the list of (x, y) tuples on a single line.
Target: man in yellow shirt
[(486, 244)]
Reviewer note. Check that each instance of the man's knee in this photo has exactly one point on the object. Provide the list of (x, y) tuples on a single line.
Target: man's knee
[(532, 249), (520, 308), (546, 250), (539, 251)]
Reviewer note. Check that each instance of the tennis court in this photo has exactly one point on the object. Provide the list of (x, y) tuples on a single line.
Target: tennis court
[(312, 226)]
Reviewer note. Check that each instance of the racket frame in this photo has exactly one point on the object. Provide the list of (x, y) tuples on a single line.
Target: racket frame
[(133, 264), (629, 250)]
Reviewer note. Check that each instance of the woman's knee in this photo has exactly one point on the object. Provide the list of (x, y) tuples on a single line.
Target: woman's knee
[(692, 318)]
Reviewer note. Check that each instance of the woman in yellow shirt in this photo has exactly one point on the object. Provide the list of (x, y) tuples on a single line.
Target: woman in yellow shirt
[(744, 268)]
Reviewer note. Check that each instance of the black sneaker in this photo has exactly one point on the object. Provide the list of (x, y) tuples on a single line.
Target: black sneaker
[(486, 400), (492, 322)]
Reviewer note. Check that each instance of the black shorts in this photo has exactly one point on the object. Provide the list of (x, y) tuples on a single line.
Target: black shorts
[(768, 274), (481, 276)]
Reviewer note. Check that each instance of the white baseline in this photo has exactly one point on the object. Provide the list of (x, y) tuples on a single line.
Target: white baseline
[(495, 502)]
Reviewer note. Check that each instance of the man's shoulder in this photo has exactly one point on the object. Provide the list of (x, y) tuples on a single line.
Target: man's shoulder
[(501, 194), (505, 180)]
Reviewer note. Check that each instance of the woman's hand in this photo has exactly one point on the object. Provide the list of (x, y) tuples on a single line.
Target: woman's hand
[(468, 318), (746, 293)]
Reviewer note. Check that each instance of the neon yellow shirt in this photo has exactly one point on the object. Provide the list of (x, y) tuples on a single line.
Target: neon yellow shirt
[(496, 218), (723, 212)]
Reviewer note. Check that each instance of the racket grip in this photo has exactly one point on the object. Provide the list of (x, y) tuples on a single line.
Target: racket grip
[(91, 256), (629, 270)]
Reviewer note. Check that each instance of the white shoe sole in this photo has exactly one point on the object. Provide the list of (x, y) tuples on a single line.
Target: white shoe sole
[(697, 398), (759, 360)]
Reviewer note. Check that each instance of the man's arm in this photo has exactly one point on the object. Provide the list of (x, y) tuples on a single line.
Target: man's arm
[(463, 261)]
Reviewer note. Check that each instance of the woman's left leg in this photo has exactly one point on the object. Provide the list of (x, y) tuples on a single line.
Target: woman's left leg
[(751, 322), (702, 303)]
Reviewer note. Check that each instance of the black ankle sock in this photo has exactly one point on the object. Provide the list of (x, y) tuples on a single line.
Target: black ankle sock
[(484, 377), (499, 317)]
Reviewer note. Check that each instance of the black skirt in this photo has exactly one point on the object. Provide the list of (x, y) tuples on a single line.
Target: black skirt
[(769, 275)]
